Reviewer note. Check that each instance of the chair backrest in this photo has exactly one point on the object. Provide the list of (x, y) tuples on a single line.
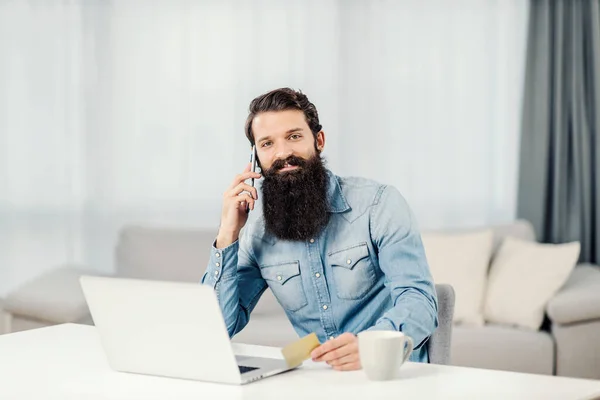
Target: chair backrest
[(438, 345)]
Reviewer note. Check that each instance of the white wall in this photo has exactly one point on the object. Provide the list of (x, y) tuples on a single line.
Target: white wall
[(134, 111)]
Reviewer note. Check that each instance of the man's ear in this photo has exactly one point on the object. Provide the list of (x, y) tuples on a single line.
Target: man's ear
[(320, 141)]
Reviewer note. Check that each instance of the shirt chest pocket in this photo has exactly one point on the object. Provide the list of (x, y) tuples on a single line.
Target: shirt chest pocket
[(285, 281), (353, 271)]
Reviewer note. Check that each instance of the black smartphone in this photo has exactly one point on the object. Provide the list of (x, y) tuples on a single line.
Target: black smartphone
[(253, 165)]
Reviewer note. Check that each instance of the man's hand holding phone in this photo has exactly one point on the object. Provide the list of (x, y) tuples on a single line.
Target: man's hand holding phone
[(237, 199)]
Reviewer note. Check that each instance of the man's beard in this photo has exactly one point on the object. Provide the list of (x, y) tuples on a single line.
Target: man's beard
[(295, 203)]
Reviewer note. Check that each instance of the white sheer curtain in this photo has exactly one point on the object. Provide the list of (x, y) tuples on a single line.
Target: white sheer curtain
[(132, 111), (431, 91)]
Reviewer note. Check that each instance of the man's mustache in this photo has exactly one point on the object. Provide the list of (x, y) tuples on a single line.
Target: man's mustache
[(291, 160)]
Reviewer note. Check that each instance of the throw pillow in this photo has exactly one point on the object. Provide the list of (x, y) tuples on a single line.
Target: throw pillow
[(462, 260), (523, 277)]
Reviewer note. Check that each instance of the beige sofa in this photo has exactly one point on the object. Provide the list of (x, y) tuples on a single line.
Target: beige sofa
[(567, 344)]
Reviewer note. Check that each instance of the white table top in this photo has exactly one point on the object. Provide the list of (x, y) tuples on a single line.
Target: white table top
[(67, 362)]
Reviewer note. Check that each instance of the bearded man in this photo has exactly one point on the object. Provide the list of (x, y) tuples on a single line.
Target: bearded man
[(341, 255)]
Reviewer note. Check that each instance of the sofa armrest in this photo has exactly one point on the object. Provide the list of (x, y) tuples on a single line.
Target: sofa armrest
[(579, 299), (54, 296)]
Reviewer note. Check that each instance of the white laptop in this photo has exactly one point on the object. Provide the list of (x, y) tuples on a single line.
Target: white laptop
[(168, 329)]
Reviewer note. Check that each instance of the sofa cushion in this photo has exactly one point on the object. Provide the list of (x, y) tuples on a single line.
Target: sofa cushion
[(578, 350), (172, 255), (54, 296), (523, 278), (520, 229), (579, 299), (2, 317), (503, 348), (461, 260), (163, 253)]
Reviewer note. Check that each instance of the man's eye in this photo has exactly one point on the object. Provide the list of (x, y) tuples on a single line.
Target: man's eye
[(265, 144), (295, 136)]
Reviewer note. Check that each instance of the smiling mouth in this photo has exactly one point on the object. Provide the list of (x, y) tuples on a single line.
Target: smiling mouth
[(288, 167)]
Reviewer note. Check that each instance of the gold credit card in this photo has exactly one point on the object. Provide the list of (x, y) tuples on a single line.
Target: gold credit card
[(295, 353)]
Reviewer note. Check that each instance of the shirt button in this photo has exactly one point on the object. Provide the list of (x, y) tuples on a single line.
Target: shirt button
[(348, 261), (216, 273), (325, 307), (217, 264), (279, 277), (312, 240), (317, 274), (218, 255), (330, 337)]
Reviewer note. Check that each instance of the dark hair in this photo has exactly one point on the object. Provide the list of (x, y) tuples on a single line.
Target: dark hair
[(280, 100)]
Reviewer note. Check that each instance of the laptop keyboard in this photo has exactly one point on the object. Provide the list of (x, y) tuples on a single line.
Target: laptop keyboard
[(244, 369)]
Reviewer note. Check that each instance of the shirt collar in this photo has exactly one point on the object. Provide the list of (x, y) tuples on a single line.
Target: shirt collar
[(335, 196)]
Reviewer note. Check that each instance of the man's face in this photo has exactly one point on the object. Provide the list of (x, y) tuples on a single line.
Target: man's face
[(281, 134), (294, 188)]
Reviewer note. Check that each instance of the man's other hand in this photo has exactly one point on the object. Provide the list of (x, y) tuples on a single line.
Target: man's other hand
[(341, 353)]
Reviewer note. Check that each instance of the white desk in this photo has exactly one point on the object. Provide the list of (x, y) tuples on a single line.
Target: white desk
[(67, 362)]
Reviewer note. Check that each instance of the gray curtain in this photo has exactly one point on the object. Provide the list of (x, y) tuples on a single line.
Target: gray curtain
[(559, 180)]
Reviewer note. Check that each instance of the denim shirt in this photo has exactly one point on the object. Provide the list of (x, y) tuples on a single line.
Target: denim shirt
[(366, 270)]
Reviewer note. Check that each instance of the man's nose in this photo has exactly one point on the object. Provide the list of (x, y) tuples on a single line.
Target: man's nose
[(283, 151)]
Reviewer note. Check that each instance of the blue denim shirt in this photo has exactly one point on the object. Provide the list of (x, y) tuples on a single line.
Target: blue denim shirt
[(367, 269)]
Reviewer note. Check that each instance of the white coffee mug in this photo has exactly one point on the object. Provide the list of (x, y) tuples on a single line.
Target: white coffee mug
[(383, 352)]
